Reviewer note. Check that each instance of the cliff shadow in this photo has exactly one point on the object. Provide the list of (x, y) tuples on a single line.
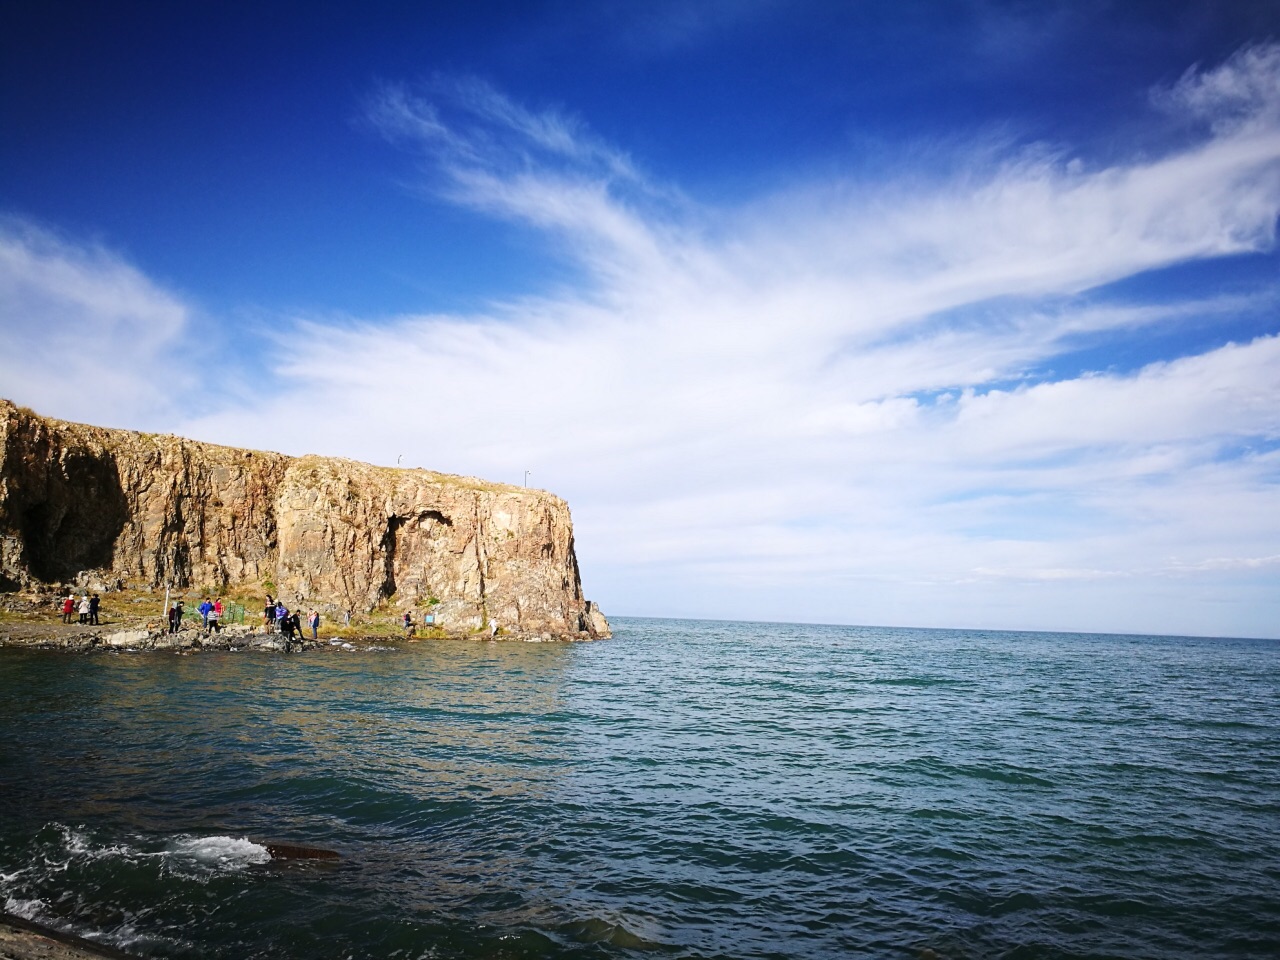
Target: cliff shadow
[(388, 545), (71, 521)]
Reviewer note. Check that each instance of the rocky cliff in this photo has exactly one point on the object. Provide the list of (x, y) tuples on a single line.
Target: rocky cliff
[(81, 503)]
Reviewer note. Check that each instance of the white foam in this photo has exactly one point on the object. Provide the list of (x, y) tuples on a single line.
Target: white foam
[(228, 852), (26, 909), (77, 843), (127, 936)]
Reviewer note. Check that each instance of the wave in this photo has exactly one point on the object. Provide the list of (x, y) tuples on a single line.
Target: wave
[(32, 909), (227, 853), (62, 848)]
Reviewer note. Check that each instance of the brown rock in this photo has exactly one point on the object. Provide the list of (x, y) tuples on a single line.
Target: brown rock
[(83, 503)]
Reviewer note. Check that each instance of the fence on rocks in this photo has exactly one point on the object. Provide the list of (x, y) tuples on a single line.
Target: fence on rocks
[(231, 613)]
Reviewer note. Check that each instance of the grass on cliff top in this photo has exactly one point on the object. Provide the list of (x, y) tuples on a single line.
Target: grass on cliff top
[(432, 476)]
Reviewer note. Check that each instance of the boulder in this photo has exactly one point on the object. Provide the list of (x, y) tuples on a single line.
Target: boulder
[(128, 638)]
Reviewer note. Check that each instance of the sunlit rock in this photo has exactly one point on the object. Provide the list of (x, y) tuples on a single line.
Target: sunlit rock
[(116, 508)]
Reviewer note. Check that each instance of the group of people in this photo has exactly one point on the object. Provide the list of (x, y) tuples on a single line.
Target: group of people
[(211, 614), (276, 616), (87, 607)]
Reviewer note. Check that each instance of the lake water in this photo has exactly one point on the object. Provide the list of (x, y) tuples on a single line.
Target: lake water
[(687, 789)]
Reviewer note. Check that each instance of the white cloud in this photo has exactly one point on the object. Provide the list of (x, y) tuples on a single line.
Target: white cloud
[(740, 406), (803, 409), (83, 334), (1230, 392), (1244, 91)]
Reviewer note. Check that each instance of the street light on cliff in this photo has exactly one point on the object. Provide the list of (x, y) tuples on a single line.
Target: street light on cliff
[(526, 478)]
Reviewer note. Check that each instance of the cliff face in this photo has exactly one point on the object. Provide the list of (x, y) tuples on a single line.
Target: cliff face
[(145, 510)]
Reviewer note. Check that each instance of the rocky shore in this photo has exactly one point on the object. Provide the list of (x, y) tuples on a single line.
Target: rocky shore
[(28, 620), (76, 637), (137, 637)]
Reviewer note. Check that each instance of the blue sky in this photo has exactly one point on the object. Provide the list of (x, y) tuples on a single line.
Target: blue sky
[(937, 314)]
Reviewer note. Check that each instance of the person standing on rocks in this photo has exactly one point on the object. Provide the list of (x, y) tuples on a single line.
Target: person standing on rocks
[(269, 615), (94, 603), (177, 616), (173, 618), (213, 618), (314, 621), (84, 608), (205, 609), (68, 607)]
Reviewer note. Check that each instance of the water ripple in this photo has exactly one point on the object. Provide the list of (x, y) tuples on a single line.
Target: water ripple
[(685, 790)]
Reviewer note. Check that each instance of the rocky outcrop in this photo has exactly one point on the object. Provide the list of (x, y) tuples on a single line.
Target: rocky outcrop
[(131, 509)]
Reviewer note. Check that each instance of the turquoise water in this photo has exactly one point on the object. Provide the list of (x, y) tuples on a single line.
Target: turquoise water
[(687, 789)]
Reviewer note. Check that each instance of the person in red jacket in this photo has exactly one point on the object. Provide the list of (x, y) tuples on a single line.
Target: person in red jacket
[(68, 608)]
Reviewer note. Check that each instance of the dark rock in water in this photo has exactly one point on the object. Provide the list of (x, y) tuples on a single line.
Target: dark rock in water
[(289, 851)]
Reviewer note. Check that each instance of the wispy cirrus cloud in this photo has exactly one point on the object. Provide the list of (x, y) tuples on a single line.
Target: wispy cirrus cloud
[(473, 128)]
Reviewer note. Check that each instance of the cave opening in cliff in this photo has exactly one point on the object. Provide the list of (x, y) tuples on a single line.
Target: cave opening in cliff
[(75, 524), (388, 545)]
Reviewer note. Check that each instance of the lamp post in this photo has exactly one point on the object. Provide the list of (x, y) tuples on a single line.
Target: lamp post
[(526, 478)]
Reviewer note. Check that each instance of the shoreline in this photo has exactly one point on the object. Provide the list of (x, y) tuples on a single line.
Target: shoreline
[(143, 636)]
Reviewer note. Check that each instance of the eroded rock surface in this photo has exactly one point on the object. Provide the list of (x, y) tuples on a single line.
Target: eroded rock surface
[(79, 503)]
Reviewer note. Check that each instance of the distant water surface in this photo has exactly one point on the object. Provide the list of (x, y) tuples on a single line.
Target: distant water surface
[(687, 789)]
